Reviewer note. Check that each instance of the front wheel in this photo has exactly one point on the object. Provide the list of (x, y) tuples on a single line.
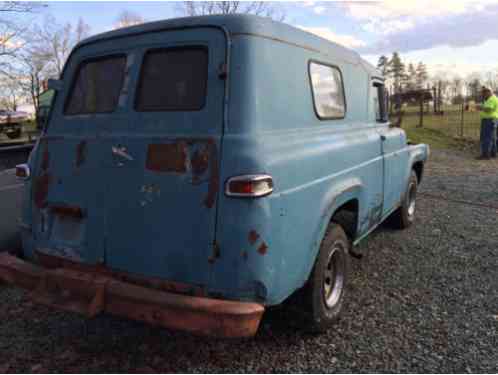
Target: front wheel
[(326, 288), (404, 216)]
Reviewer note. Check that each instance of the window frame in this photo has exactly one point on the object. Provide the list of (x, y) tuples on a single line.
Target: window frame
[(380, 88), (138, 86), (74, 81), (329, 65)]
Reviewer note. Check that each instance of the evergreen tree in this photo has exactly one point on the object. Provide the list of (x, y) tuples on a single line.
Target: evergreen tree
[(412, 77), (396, 70), (421, 75), (383, 65)]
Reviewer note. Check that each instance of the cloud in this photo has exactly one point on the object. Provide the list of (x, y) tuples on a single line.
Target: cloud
[(462, 30), (345, 40), (319, 9), (392, 9)]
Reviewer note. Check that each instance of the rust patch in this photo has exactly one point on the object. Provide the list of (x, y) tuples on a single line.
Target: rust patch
[(169, 157), (253, 237), (45, 163), (42, 182), (263, 248), (41, 187), (214, 176), (200, 161), (81, 153), (64, 210)]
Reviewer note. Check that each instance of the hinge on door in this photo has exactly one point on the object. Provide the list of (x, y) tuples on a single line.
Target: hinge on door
[(222, 71)]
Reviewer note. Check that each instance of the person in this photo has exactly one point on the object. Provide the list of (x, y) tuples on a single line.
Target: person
[(489, 117)]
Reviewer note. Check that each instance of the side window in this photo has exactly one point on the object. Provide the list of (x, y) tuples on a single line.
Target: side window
[(328, 91), (96, 86), (379, 102), (173, 79)]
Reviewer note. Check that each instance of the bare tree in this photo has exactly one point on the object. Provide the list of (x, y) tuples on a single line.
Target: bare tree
[(53, 42), (11, 93), (128, 18), (258, 8), (13, 26)]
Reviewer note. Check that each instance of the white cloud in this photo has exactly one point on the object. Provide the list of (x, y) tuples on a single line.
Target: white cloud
[(345, 40), (319, 9), (387, 27), (390, 9), (308, 3)]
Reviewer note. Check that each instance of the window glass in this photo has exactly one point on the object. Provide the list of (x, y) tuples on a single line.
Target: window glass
[(328, 91), (379, 102), (97, 86), (173, 80)]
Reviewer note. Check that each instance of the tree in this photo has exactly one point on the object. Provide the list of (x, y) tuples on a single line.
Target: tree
[(421, 75), (13, 26), (397, 71), (11, 93), (383, 65), (128, 18), (258, 8), (411, 73), (53, 42)]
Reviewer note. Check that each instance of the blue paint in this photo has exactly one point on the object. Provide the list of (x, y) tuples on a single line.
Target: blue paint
[(259, 119)]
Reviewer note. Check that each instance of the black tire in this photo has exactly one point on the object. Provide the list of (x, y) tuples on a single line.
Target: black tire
[(404, 216), (13, 133), (323, 305)]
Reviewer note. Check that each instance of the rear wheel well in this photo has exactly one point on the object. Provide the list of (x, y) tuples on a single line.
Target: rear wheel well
[(347, 217), (418, 167)]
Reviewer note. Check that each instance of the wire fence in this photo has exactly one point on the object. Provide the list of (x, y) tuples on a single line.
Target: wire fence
[(453, 120)]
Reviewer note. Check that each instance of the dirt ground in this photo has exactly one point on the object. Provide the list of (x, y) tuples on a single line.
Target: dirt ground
[(421, 300)]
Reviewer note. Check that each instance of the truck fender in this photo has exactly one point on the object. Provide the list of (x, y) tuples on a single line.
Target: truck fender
[(417, 153), (337, 195)]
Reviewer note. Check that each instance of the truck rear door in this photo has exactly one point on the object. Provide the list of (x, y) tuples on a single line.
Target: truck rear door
[(163, 180), (127, 173)]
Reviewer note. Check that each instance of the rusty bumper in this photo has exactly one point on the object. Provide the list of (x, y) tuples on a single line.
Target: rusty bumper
[(92, 293)]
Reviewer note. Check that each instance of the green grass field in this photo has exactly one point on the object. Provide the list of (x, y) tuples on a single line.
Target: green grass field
[(451, 123)]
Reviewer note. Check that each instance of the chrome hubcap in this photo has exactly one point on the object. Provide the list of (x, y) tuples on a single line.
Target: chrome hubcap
[(333, 281), (411, 200)]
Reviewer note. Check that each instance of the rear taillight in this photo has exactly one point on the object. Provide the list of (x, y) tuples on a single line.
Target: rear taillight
[(249, 186), (22, 171)]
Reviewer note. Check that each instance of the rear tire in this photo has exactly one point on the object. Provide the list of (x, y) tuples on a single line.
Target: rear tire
[(404, 216), (325, 291)]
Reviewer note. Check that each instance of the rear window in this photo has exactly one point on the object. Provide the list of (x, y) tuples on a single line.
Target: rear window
[(173, 80), (328, 91), (97, 86)]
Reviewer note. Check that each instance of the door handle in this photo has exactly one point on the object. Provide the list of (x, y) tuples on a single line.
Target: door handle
[(122, 152)]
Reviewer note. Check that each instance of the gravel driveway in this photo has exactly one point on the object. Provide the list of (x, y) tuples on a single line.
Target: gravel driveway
[(421, 300)]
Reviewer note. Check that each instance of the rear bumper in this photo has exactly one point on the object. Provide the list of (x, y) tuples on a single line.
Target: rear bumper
[(92, 293)]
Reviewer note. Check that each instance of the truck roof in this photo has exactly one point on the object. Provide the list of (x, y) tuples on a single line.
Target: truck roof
[(243, 24)]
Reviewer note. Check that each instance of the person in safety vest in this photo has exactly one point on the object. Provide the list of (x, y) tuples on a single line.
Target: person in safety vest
[(489, 117)]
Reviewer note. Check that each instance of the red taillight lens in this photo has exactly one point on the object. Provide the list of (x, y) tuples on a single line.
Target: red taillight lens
[(249, 186), (22, 171)]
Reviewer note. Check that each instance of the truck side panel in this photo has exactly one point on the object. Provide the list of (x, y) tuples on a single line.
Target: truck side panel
[(268, 245)]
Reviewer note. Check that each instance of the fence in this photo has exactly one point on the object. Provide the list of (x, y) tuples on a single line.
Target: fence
[(453, 120)]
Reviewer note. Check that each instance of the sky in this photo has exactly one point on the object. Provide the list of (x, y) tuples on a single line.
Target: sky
[(453, 37)]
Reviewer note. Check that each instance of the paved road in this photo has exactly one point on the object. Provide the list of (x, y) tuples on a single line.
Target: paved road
[(10, 195), (10, 205)]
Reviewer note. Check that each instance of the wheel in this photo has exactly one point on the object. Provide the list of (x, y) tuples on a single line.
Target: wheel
[(325, 291), (13, 133), (404, 216)]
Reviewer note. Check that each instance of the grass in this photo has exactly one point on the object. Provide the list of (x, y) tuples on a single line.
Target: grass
[(438, 139)]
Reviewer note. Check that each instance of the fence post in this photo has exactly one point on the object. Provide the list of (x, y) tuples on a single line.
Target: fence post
[(461, 118), (421, 118)]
